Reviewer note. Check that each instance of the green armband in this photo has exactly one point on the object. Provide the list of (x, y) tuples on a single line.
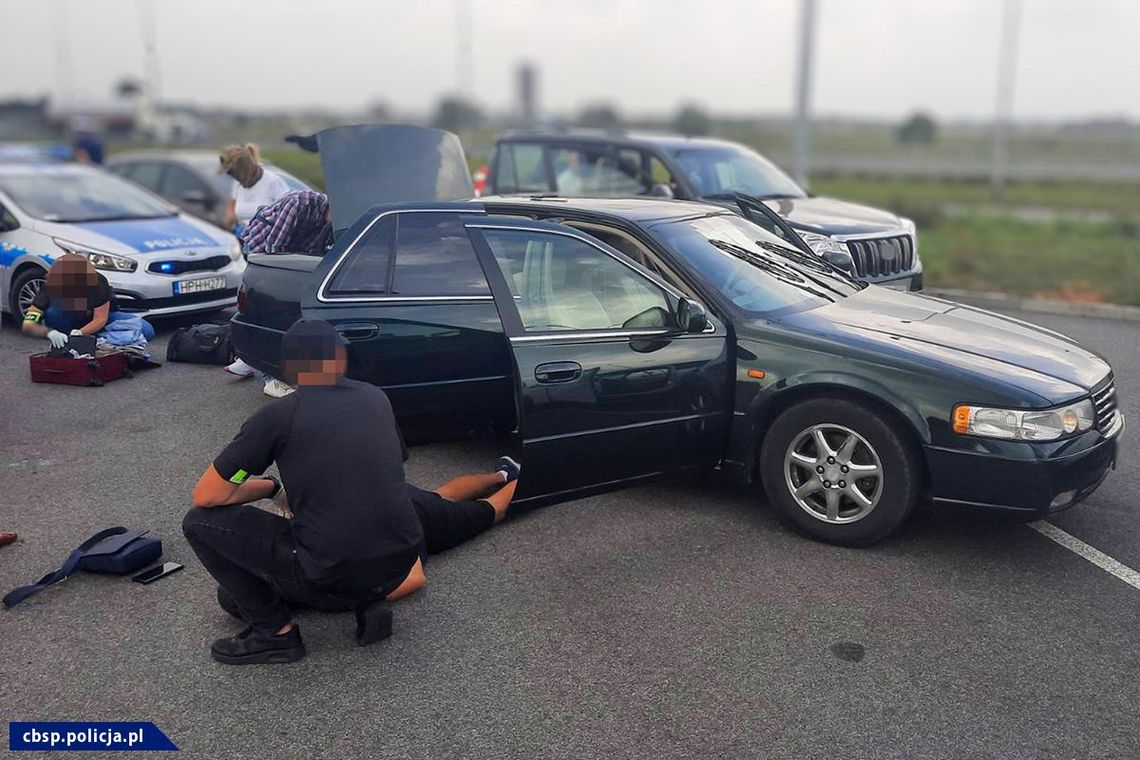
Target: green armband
[(33, 316), (239, 477)]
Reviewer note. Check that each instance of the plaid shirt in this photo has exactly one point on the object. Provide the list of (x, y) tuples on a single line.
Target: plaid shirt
[(298, 223)]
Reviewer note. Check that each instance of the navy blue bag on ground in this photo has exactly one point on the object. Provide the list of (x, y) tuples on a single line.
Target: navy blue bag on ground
[(114, 551)]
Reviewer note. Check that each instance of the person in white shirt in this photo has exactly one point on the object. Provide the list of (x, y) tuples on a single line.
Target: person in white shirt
[(255, 187)]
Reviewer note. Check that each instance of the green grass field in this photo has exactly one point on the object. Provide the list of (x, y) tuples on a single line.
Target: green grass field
[(1076, 261)]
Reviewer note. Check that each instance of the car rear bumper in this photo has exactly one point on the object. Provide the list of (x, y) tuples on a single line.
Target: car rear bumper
[(1030, 486), (258, 346)]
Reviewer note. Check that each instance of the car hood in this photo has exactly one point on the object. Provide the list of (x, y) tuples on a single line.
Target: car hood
[(367, 164), (181, 233), (831, 216), (1046, 363)]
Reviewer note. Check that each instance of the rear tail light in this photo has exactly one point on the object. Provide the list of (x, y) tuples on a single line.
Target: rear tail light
[(241, 299)]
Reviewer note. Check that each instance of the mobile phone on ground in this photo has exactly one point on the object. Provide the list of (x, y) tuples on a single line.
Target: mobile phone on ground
[(152, 574)]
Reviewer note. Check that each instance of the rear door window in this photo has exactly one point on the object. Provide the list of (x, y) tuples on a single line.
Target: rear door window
[(180, 182), (434, 257), (369, 263), (521, 168)]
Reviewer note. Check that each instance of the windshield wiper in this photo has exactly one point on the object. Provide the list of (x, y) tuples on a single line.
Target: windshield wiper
[(780, 272)]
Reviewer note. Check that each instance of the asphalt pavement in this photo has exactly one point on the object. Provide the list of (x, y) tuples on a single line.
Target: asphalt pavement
[(677, 619)]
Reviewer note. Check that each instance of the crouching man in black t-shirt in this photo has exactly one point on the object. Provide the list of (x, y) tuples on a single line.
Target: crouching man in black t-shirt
[(355, 537)]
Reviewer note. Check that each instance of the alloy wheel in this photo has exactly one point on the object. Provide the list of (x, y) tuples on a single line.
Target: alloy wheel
[(27, 294), (833, 474)]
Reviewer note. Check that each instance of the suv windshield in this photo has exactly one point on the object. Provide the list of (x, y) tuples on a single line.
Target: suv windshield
[(721, 170), (81, 196), (754, 269)]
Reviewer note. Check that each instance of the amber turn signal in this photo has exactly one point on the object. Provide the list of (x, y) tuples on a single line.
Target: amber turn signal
[(756, 373), (962, 419)]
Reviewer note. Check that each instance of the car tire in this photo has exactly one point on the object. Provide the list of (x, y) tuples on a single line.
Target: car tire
[(808, 456), (25, 279)]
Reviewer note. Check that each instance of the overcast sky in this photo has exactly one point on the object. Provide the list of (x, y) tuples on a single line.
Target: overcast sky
[(879, 58)]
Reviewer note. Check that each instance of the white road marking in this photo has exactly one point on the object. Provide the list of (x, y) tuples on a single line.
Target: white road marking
[(1095, 556)]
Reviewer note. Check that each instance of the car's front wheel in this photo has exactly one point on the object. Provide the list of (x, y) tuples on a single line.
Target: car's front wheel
[(25, 286), (839, 472)]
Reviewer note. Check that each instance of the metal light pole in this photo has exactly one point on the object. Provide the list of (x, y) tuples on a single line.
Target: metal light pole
[(463, 52), (801, 135), (1003, 108)]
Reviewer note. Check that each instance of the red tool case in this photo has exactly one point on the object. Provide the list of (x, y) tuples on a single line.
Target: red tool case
[(67, 370)]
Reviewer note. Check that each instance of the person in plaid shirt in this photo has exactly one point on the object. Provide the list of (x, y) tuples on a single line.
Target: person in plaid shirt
[(298, 223)]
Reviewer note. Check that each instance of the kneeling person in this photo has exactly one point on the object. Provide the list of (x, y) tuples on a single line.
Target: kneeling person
[(75, 300), (354, 538)]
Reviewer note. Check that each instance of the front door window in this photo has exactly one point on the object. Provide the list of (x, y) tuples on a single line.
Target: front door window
[(563, 284)]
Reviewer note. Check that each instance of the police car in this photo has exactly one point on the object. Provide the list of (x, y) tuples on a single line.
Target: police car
[(158, 260)]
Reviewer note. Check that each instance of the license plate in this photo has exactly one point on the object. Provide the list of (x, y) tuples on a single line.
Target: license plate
[(184, 287)]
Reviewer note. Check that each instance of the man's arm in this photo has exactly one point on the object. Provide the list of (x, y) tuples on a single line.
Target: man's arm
[(98, 320), (215, 491), (33, 323)]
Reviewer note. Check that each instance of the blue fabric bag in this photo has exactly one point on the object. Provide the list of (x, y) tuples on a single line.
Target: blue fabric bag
[(114, 551)]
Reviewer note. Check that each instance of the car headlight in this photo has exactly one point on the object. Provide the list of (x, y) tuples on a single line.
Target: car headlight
[(1025, 424), (829, 249), (235, 251), (105, 261)]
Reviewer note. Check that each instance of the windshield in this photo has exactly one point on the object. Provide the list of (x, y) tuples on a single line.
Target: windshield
[(81, 196), (753, 268), (716, 171)]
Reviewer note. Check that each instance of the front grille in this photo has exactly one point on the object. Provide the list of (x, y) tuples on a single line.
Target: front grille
[(1106, 410), (879, 257), (212, 264)]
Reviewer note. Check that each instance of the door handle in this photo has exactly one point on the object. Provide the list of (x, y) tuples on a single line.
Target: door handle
[(358, 330), (557, 372)]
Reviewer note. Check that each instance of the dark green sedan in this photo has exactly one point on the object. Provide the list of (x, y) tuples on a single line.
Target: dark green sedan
[(624, 339)]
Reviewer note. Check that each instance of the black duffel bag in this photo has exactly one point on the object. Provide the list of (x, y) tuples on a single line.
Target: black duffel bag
[(201, 344)]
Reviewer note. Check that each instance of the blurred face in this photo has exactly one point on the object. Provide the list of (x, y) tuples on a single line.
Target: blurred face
[(317, 371), (71, 282)]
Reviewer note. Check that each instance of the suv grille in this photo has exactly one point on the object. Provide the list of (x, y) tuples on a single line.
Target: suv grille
[(212, 264), (882, 256), (1105, 402)]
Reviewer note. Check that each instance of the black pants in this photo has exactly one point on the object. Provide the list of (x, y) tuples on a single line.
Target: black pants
[(448, 524), (252, 555)]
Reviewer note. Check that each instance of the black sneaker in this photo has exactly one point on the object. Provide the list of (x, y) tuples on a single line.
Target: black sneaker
[(253, 648), (229, 604), (373, 622), (509, 467)]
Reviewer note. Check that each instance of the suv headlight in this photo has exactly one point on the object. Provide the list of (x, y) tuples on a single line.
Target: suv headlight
[(829, 249), (1025, 424), (105, 261)]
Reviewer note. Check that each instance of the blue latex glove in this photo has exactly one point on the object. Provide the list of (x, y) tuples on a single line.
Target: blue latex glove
[(58, 339)]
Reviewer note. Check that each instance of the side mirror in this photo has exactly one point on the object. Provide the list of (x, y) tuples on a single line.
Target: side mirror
[(661, 190), (691, 316)]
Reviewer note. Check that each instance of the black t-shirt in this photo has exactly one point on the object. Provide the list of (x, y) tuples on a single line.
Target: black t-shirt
[(341, 459), (100, 294)]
